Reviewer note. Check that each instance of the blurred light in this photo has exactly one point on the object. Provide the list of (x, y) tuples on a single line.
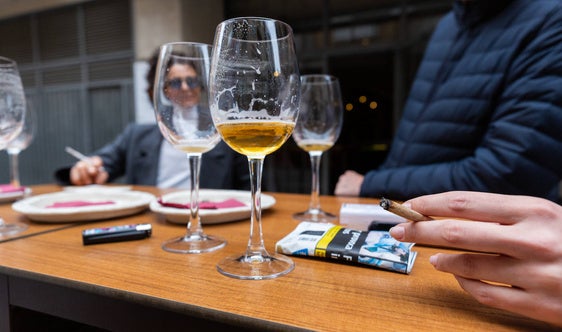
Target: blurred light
[(362, 99), (373, 105), (378, 147), (348, 107)]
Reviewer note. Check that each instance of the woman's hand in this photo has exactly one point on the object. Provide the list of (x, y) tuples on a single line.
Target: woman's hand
[(91, 172), (523, 235)]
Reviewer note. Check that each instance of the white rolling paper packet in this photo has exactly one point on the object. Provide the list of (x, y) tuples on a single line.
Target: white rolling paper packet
[(366, 217), (375, 248)]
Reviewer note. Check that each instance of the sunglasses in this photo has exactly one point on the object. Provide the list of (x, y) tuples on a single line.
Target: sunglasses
[(192, 83)]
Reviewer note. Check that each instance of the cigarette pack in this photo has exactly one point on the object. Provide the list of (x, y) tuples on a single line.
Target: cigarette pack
[(371, 248), (368, 217)]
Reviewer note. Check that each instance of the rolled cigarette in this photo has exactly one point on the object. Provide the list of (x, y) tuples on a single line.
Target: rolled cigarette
[(402, 211), (80, 156)]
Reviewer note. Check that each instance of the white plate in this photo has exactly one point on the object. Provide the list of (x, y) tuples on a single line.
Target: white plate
[(210, 216), (10, 197), (96, 187), (125, 203)]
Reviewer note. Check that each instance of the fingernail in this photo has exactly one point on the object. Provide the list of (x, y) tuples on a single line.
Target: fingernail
[(397, 232), (433, 260)]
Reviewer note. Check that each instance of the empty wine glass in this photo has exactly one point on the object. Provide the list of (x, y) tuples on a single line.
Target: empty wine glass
[(254, 103), (183, 115), (21, 142), (318, 128), (12, 115)]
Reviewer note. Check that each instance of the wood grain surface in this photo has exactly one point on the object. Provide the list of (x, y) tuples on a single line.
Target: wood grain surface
[(316, 295)]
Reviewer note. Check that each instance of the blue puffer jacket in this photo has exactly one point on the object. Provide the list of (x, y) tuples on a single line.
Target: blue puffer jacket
[(485, 110)]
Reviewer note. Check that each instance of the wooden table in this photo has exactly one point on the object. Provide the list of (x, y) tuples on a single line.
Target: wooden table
[(138, 286)]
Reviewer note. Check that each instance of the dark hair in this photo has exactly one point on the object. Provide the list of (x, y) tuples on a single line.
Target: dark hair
[(150, 76), (178, 58)]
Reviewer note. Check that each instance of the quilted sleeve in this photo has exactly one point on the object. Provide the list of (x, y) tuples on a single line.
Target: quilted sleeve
[(521, 152)]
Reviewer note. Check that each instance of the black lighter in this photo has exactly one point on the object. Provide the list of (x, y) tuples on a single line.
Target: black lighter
[(116, 233)]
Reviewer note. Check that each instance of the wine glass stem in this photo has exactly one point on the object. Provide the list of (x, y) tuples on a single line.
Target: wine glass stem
[(14, 169), (255, 243), (194, 224), (315, 157)]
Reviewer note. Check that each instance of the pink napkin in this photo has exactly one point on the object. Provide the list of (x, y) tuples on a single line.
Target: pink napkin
[(77, 204), (229, 203), (8, 188)]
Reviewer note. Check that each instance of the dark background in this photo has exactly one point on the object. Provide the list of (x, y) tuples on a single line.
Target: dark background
[(76, 64)]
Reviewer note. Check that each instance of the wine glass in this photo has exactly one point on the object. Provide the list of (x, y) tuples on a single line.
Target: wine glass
[(254, 95), (21, 142), (183, 116), (318, 128), (12, 115)]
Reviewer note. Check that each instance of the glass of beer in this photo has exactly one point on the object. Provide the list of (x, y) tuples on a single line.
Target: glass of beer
[(254, 91)]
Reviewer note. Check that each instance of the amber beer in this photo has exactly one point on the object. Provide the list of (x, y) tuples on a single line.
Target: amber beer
[(255, 138), (314, 145), (195, 148)]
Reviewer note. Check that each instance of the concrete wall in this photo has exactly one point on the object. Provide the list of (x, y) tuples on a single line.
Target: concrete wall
[(200, 18), (155, 22), (164, 21)]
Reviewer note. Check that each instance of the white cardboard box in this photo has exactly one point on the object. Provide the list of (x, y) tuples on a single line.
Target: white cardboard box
[(368, 217)]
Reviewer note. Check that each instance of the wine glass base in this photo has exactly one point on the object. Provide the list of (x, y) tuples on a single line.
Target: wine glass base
[(11, 228), (193, 244), (255, 267), (315, 215)]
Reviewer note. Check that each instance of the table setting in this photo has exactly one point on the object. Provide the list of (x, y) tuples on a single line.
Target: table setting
[(10, 193), (83, 205), (141, 272), (216, 206), (12, 119)]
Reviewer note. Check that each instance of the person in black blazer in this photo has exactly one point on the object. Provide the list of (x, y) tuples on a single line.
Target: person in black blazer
[(136, 155)]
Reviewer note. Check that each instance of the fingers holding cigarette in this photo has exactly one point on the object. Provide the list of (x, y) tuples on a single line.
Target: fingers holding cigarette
[(402, 211), (90, 171)]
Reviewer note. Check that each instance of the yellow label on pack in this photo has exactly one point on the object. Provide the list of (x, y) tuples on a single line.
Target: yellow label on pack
[(321, 246)]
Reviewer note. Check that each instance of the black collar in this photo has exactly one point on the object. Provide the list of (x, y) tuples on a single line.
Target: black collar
[(470, 13)]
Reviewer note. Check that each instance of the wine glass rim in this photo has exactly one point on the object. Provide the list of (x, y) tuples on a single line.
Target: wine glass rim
[(194, 50), (5, 62), (186, 43), (263, 19), (316, 78)]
